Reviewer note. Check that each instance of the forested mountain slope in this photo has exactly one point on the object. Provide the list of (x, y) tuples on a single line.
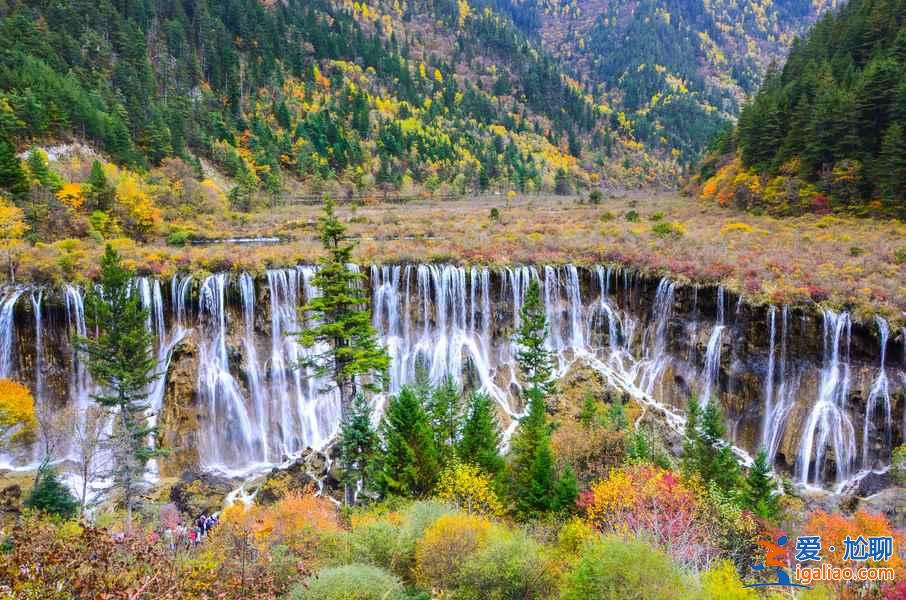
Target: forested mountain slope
[(826, 131), (672, 71), (415, 95)]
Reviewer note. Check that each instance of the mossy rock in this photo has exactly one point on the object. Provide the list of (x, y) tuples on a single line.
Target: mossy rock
[(197, 493)]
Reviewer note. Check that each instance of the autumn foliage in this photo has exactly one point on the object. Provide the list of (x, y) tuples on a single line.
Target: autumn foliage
[(446, 545), (648, 501), (470, 489), (17, 411)]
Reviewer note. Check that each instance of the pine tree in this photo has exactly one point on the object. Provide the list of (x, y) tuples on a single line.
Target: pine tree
[(39, 169), (444, 410), (692, 439), (51, 496), (100, 193), (567, 490), (121, 362), (479, 441), (892, 162), (534, 359), (539, 490), (760, 496), (341, 317), (532, 474), (408, 461), (12, 177), (705, 452), (358, 443), (616, 416), (588, 416)]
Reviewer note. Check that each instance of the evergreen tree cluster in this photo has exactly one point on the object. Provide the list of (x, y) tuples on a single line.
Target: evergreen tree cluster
[(707, 455), (424, 429), (153, 79), (834, 115)]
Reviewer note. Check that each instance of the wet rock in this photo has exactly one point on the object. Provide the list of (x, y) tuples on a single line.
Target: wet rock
[(11, 499), (872, 484), (196, 493), (890, 502), (179, 418), (307, 473)]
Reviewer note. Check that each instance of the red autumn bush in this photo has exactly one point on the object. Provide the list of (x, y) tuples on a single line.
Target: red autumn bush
[(654, 503)]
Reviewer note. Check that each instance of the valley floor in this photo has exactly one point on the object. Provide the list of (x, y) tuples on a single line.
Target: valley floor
[(837, 261)]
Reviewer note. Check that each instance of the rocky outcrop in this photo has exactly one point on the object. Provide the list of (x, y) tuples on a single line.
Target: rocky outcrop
[(200, 492), (11, 500), (313, 470), (178, 425)]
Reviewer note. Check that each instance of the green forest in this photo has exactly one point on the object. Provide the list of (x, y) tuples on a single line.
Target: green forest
[(310, 90), (825, 131)]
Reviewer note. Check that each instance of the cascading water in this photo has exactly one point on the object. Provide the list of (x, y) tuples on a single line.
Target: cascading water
[(828, 423), (81, 387), (256, 408), (878, 398), (654, 344), (711, 369), (8, 332), (228, 437), (153, 301), (37, 305), (250, 361)]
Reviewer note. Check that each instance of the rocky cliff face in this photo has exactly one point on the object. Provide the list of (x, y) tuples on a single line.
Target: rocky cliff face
[(809, 385)]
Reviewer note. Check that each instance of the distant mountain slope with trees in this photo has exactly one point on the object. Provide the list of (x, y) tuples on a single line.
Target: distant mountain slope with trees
[(671, 72), (412, 95), (825, 132)]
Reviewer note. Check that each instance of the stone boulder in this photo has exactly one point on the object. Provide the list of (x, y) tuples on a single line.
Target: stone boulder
[(313, 470), (11, 499), (890, 502), (197, 493)]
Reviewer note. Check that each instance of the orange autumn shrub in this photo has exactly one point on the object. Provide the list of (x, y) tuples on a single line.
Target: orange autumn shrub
[(298, 521), (834, 528)]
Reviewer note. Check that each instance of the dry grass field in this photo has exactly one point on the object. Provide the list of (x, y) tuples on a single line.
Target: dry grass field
[(858, 263)]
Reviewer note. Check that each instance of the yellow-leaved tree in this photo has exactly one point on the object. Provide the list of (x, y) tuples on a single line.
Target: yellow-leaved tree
[(12, 228), (17, 412), (469, 488), (137, 212)]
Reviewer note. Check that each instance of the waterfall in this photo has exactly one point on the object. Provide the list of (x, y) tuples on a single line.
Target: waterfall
[(711, 369), (37, 304), (721, 302), (574, 298), (654, 345), (153, 301), (257, 408), (604, 310), (8, 333), (768, 413), (250, 360), (81, 386), (828, 422), (879, 395), (227, 437)]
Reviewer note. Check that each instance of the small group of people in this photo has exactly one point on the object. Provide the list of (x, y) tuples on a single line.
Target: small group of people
[(185, 536)]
